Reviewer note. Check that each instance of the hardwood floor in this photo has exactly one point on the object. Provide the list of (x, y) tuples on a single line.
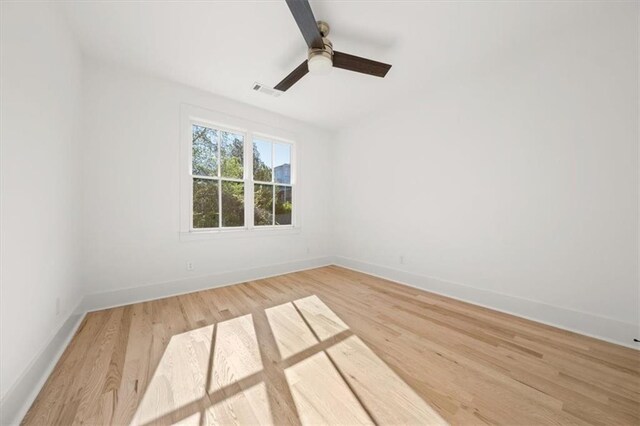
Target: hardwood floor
[(331, 345)]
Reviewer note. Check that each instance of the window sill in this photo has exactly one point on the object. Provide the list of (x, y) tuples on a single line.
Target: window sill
[(238, 233)]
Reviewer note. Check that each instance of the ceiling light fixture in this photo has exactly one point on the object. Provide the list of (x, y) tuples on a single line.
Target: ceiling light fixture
[(320, 62)]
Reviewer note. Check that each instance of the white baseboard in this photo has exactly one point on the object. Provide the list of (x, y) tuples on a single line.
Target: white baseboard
[(21, 395), (127, 296), (608, 329)]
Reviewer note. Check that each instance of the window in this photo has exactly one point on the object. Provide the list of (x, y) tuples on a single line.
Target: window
[(218, 178), (238, 178), (272, 187)]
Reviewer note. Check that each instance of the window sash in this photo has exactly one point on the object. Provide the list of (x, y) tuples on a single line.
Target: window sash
[(273, 204), (219, 182)]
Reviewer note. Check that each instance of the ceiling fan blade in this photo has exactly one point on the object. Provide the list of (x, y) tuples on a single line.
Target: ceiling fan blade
[(301, 11), (358, 64), (293, 78)]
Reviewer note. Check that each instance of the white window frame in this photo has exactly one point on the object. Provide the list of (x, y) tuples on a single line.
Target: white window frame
[(190, 115)]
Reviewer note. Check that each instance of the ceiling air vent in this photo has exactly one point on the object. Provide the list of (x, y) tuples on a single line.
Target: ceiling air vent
[(259, 87)]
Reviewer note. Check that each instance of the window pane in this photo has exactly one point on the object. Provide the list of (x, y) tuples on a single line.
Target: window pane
[(282, 163), (262, 164), (232, 204), (231, 153), (283, 205), (263, 210), (204, 151), (205, 203)]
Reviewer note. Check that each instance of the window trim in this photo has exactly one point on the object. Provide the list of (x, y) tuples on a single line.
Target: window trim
[(190, 115)]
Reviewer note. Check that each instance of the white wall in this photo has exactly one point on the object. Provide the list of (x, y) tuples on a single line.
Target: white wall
[(131, 195), (518, 176), (40, 190)]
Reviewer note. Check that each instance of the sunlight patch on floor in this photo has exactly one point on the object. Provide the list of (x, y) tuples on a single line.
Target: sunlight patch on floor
[(193, 419), (289, 330), (215, 374), (322, 320), (320, 394), (248, 407), (180, 377), (387, 397), (236, 353)]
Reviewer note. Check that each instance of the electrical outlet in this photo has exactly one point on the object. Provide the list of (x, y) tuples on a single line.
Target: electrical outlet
[(401, 259), (190, 266)]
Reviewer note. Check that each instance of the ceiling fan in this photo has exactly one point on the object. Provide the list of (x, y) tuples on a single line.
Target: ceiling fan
[(321, 56)]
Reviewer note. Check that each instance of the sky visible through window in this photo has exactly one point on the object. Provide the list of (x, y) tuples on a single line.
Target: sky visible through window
[(263, 150)]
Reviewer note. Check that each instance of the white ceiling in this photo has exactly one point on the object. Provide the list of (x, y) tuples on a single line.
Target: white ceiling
[(224, 47)]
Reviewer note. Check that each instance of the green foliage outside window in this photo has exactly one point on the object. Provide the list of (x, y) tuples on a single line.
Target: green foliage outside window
[(205, 203)]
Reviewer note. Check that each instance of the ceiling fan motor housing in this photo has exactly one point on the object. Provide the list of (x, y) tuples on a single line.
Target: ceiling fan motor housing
[(327, 49)]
